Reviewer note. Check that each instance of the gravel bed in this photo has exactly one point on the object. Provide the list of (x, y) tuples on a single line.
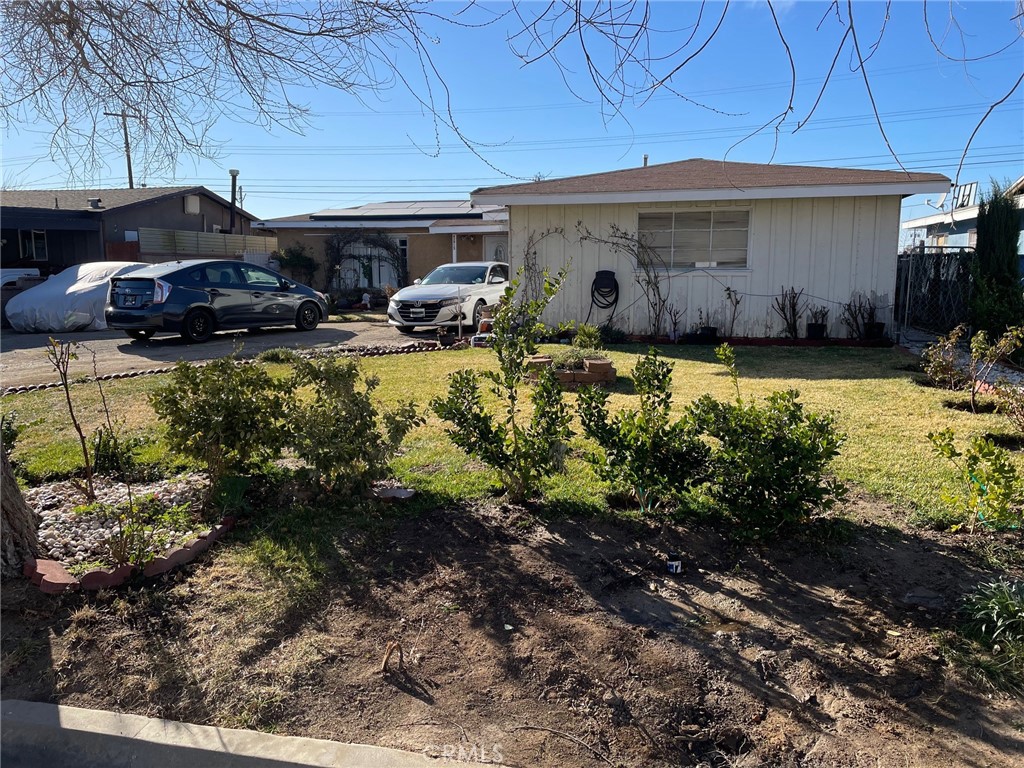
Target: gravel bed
[(76, 537)]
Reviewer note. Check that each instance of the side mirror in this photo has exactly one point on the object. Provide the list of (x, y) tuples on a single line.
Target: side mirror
[(496, 280), (417, 281)]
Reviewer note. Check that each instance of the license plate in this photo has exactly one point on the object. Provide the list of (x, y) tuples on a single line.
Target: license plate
[(416, 312), (129, 301)]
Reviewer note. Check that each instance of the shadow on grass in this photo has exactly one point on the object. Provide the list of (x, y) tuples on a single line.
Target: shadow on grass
[(792, 363)]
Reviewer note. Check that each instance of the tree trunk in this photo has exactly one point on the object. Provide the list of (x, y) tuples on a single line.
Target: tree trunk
[(20, 522)]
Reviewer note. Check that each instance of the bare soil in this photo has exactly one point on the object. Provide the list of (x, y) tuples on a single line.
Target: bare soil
[(561, 642)]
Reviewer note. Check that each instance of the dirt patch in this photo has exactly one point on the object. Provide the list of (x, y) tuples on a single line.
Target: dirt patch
[(560, 643)]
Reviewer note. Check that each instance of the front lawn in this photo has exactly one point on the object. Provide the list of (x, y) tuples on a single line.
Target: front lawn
[(873, 393)]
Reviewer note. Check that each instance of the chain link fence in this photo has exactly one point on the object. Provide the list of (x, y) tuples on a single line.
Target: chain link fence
[(933, 288)]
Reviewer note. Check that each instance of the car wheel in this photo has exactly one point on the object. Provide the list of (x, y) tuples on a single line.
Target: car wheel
[(406, 329), (308, 317), (197, 325), (140, 335), (477, 313)]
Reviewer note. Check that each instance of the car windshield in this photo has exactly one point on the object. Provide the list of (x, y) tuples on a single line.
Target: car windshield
[(456, 275)]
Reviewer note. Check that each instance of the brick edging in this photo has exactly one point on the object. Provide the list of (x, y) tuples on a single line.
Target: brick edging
[(53, 578)]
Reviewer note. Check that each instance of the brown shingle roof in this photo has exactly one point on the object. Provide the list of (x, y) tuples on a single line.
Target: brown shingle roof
[(703, 174), (78, 199)]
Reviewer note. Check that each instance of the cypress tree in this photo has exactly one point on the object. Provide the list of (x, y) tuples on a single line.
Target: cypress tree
[(997, 299)]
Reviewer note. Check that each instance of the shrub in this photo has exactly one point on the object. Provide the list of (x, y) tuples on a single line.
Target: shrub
[(993, 617), (572, 358), (985, 355), (521, 453), (790, 306), (339, 431), (941, 361), (278, 355), (643, 450), (612, 335), (994, 613), (770, 465), (990, 489), (587, 337), (225, 414), (114, 455)]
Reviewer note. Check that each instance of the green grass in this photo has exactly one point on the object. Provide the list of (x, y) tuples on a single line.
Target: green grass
[(885, 414)]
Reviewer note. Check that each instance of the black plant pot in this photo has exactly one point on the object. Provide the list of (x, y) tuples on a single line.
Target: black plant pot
[(708, 333), (817, 331), (874, 331), (445, 339)]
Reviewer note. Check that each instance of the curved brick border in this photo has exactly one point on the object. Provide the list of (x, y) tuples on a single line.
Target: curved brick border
[(361, 351), (53, 578)]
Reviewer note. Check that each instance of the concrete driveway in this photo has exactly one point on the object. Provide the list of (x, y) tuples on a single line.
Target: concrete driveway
[(23, 357)]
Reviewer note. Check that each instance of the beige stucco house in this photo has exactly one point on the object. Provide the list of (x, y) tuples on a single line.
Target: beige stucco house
[(832, 232), (427, 232)]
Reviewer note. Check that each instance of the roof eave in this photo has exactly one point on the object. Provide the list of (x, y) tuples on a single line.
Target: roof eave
[(690, 195)]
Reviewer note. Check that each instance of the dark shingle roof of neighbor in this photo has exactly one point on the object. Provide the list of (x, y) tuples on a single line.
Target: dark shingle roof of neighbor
[(78, 199), (699, 173)]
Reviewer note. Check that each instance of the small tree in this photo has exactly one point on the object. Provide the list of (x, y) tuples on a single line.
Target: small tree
[(644, 450), (522, 452)]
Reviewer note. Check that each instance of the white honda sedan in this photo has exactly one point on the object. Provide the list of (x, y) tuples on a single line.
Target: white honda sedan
[(451, 295)]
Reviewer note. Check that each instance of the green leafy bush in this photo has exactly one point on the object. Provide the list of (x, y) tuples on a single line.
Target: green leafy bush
[(339, 431), (992, 616), (985, 355), (643, 450), (278, 355), (522, 450), (225, 414), (941, 361), (770, 466), (114, 455), (994, 612), (587, 337), (990, 490), (612, 335)]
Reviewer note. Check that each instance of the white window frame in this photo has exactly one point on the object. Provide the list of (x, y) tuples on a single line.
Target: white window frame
[(32, 239), (670, 266)]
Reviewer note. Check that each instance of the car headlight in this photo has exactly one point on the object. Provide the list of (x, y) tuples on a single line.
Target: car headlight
[(393, 304), (451, 302)]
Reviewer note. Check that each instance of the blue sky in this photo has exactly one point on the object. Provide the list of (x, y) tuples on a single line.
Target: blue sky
[(527, 121)]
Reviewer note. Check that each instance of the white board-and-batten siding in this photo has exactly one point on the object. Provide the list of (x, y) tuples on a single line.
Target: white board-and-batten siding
[(831, 247)]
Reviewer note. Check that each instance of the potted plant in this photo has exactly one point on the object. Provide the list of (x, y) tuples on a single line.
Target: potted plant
[(445, 337), (860, 316), (705, 331), (873, 330), (817, 326)]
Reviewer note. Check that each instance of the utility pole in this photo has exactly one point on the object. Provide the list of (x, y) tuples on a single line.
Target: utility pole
[(127, 144), (234, 191)]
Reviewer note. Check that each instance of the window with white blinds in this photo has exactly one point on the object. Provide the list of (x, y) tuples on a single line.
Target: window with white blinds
[(712, 239)]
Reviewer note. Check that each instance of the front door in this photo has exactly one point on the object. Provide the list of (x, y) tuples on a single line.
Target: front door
[(496, 248)]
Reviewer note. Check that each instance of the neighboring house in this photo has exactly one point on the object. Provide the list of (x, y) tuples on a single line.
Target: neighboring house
[(758, 229), (55, 228), (957, 227), (426, 233)]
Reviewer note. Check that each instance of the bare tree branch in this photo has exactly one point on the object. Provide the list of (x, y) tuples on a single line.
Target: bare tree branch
[(989, 111)]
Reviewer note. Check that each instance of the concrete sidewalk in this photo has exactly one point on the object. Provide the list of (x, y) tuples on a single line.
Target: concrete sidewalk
[(37, 735)]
